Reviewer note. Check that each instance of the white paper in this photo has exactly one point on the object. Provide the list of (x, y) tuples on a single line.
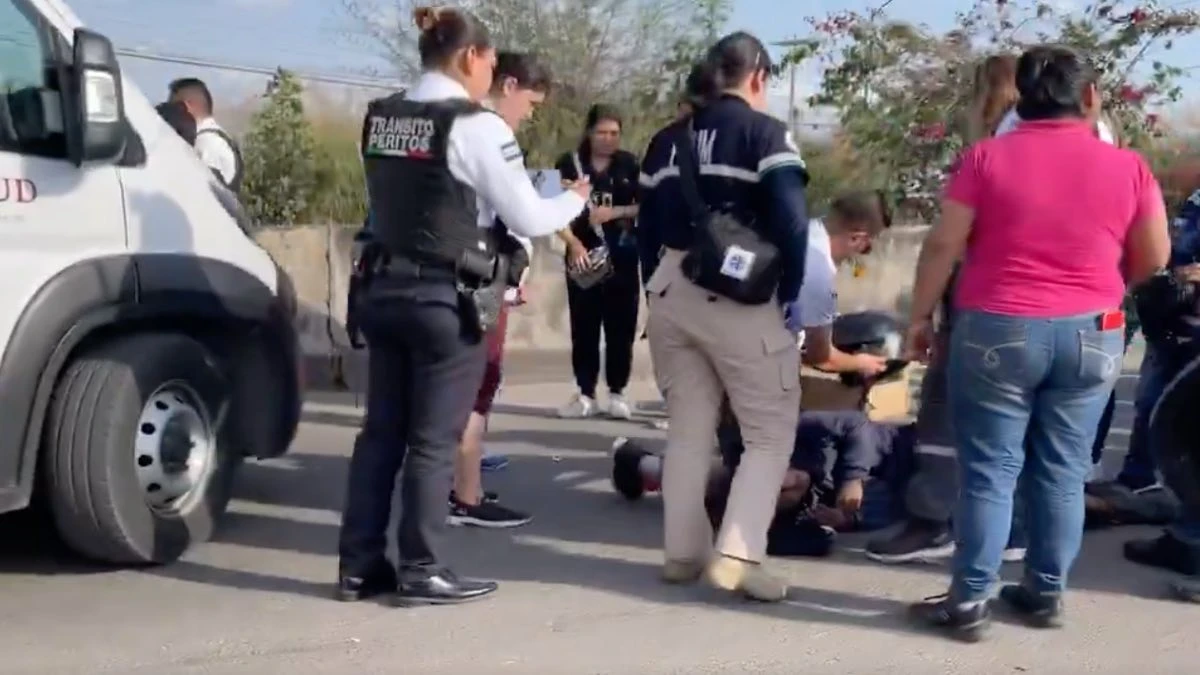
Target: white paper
[(737, 263)]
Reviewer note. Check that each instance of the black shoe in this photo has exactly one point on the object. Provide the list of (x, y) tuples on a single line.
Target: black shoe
[(489, 514), (919, 541), (441, 588), (381, 580), (627, 469), (1039, 610), (488, 496), (1166, 552), (967, 623)]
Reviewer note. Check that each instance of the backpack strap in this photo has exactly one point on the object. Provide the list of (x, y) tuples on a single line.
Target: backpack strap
[(235, 182)]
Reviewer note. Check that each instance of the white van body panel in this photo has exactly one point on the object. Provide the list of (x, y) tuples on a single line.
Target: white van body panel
[(166, 204)]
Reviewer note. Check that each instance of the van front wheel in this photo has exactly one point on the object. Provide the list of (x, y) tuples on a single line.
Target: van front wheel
[(136, 470)]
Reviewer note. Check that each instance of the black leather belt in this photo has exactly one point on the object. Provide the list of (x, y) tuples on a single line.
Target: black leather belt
[(403, 268)]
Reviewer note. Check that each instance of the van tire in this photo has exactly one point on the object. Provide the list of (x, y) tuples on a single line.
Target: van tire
[(98, 410)]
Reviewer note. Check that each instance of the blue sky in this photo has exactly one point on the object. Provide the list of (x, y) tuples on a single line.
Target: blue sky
[(315, 36)]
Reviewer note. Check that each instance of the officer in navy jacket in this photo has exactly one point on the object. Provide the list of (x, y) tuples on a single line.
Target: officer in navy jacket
[(705, 345)]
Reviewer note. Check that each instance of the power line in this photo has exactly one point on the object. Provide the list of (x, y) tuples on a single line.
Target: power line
[(363, 82)]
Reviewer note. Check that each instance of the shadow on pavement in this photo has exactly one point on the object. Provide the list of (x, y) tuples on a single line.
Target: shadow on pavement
[(353, 420), (29, 545), (561, 476), (212, 575), (574, 509)]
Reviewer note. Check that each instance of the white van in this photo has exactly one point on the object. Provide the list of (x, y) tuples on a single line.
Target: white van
[(148, 343)]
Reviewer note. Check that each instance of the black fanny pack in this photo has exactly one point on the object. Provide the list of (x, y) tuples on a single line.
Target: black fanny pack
[(727, 257), (1163, 303)]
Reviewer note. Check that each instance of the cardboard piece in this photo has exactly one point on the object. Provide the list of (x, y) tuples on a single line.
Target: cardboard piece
[(890, 401)]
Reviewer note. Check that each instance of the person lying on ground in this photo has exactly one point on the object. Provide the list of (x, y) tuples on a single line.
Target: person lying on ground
[(844, 474)]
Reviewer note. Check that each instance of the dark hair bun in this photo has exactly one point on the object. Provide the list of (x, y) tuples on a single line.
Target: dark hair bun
[(445, 31)]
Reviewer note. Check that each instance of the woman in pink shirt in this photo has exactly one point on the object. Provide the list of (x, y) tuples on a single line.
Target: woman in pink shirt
[(1051, 223)]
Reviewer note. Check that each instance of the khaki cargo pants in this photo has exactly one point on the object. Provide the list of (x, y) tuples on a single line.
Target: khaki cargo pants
[(704, 346)]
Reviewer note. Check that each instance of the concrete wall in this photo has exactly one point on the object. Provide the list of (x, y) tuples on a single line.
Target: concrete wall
[(317, 257)]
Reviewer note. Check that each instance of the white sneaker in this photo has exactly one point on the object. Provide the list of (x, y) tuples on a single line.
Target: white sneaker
[(1013, 554), (619, 408), (578, 407)]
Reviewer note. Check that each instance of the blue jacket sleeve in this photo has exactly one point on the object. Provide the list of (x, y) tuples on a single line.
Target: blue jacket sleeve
[(649, 231), (858, 450), (650, 213), (787, 224)]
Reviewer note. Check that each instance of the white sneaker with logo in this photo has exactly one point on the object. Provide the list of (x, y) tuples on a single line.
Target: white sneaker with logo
[(578, 407), (619, 408)]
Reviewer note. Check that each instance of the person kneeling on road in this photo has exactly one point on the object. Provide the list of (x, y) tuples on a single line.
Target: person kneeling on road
[(853, 222)]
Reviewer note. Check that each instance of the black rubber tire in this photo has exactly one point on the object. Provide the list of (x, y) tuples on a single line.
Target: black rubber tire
[(91, 481)]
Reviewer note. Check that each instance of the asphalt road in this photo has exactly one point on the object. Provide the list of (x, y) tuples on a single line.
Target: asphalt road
[(579, 590)]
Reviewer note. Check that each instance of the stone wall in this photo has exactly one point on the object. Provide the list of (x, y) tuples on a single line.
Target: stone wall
[(318, 258)]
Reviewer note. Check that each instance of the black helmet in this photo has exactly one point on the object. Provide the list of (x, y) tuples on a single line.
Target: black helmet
[(870, 332)]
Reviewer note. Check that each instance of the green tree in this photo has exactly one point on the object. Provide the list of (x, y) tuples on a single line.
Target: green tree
[(901, 89), (600, 51), (339, 192), (279, 156)]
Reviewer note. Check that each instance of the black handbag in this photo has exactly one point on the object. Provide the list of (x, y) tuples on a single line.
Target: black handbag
[(727, 257)]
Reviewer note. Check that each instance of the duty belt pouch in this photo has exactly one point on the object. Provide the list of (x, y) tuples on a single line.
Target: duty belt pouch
[(599, 268), (488, 300), (468, 314), (726, 257), (475, 268)]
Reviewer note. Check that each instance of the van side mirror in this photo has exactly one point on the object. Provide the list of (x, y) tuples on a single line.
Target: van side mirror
[(97, 102)]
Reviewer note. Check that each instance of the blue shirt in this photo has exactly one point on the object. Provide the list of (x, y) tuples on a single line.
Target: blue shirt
[(1185, 233), (749, 166)]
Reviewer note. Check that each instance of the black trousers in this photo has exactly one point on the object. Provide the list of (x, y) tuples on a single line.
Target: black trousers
[(425, 366), (613, 307), (1102, 431)]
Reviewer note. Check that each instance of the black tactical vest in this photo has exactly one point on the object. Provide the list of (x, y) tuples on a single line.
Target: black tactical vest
[(419, 210)]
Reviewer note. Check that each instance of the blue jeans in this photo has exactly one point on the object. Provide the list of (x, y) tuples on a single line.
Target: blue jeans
[(1140, 467), (1027, 396)]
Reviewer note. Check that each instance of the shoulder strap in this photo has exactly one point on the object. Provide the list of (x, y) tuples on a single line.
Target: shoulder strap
[(223, 134), (578, 165), (689, 171), (235, 183)]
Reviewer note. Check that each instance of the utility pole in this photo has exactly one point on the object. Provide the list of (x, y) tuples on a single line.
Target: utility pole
[(793, 110)]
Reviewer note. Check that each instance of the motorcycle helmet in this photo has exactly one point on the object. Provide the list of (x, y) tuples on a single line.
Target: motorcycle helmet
[(870, 332)]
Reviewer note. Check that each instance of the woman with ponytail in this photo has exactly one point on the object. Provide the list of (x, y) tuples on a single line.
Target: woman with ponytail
[(440, 170)]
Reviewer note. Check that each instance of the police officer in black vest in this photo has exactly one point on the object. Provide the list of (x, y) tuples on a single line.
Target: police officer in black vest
[(439, 170)]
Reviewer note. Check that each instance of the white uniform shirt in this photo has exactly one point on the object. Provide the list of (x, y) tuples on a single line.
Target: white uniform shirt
[(215, 151), (483, 154), (1011, 120), (525, 242), (818, 293)]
